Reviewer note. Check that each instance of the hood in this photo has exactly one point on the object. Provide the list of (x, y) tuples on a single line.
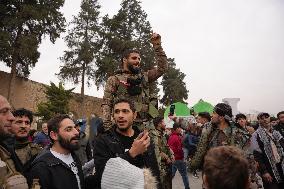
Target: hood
[(150, 182)]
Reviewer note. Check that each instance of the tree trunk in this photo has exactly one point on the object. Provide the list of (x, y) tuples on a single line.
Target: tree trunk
[(83, 90), (12, 82)]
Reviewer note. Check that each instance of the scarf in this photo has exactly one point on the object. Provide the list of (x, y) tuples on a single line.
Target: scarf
[(272, 150), (21, 142)]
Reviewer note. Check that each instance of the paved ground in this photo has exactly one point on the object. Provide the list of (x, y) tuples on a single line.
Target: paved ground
[(193, 182)]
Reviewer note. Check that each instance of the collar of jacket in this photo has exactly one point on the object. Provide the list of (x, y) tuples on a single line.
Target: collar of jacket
[(8, 143), (47, 157), (112, 132), (82, 134), (175, 133)]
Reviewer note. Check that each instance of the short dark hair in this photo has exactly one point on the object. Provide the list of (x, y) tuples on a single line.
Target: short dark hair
[(205, 115), (176, 126), (240, 115), (157, 121), (279, 113), (226, 167), (273, 119), (127, 52), (23, 112), (124, 100), (53, 123)]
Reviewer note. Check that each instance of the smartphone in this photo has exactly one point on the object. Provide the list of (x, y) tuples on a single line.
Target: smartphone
[(172, 110)]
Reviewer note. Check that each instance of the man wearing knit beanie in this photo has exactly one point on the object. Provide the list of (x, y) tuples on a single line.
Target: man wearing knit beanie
[(221, 132), (223, 110)]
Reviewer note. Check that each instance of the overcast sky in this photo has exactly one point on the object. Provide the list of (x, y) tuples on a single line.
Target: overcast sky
[(226, 48)]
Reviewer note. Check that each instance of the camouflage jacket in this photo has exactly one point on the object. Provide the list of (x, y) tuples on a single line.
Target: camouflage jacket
[(9, 176), (232, 136), (162, 149), (117, 87), (27, 152)]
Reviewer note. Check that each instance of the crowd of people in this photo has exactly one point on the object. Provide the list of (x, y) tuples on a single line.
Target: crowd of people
[(232, 153), (134, 149)]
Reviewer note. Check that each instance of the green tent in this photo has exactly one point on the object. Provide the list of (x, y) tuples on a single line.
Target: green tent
[(203, 106), (181, 109)]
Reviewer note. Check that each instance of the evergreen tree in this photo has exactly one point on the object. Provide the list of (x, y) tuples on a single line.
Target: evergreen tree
[(173, 85), (83, 41), (22, 26), (129, 28), (57, 101)]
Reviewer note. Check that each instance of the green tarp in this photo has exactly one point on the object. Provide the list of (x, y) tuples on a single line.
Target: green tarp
[(203, 106), (181, 109)]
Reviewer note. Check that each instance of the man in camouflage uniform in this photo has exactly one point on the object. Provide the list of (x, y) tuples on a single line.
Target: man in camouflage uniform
[(132, 83), (221, 132), (10, 165), (163, 153), (21, 126)]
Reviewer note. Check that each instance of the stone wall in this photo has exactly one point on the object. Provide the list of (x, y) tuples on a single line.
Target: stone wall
[(29, 94)]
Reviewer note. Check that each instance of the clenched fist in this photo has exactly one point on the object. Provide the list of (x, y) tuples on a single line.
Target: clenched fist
[(156, 39)]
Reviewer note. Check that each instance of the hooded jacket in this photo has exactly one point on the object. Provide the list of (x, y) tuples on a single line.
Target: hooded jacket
[(109, 146), (54, 173)]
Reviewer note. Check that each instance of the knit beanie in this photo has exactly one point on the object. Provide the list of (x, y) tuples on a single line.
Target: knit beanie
[(224, 110), (120, 174)]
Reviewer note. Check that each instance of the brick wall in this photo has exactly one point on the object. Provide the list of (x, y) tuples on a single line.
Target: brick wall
[(28, 94)]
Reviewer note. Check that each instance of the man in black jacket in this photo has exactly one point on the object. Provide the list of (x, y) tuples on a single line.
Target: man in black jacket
[(124, 141), (58, 167), (280, 126)]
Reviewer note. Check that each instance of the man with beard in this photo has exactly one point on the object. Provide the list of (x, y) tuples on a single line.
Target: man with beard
[(10, 165), (132, 83), (268, 146), (21, 126), (163, 153), (124, 141), (58, 167), (280, 126), (221, 132), (241, 122)]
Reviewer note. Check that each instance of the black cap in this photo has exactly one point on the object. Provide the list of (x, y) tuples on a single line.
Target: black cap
[(261, 114)]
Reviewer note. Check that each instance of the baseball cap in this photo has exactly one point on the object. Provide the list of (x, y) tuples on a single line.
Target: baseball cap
[(261, 114)]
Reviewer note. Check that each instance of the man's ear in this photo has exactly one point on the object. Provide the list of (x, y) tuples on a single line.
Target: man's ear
[(53, 135), (204, 182), (135, 115), (248, 183), (124, 61)]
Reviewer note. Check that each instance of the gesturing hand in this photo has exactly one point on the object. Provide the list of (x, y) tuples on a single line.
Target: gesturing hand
[(267, 177), (140, 144)]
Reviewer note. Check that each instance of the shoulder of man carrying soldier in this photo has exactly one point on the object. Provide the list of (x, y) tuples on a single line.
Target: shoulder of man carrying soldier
[(35, 148)]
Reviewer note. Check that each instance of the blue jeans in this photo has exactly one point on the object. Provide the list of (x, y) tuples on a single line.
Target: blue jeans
[(181, 167), (185, 153)]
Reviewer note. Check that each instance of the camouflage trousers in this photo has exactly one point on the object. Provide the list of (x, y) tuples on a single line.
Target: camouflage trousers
[(253, 172), (166, 176)]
